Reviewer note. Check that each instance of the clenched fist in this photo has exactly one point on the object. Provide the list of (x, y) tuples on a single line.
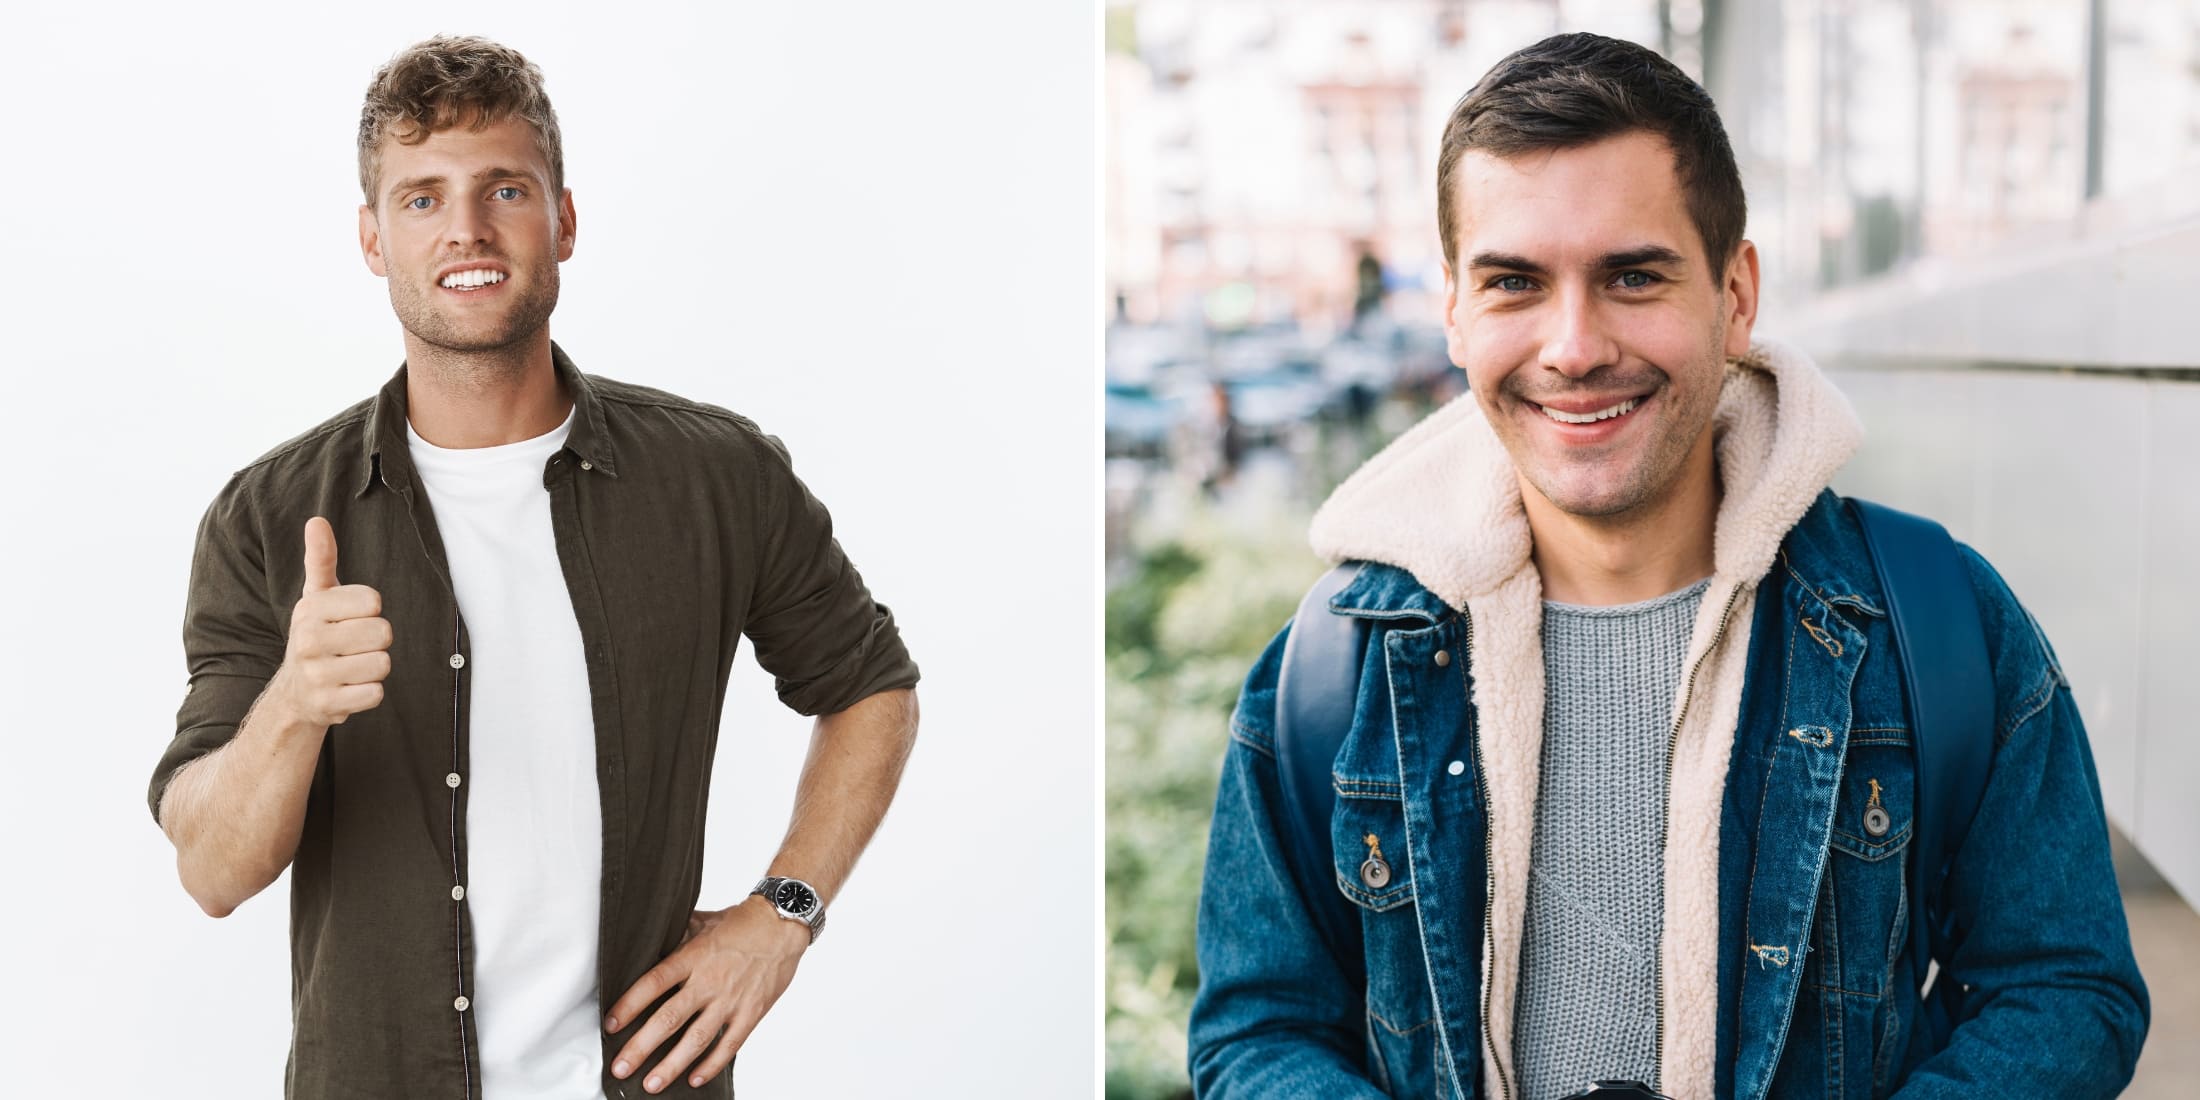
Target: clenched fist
[(339, 650)]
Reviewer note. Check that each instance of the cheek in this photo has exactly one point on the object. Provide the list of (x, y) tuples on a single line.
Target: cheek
[(1492, 346)]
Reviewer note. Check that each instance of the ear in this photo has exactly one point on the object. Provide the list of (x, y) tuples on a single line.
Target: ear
[(1740, 292), (1455, 341), (568, 222), (370, 241)]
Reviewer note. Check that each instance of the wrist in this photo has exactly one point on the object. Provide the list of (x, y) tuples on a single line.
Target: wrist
[(794, 934), (793, 901), (278, 714)]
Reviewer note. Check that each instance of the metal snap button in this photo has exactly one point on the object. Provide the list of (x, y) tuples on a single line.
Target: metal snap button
[(1875, 815), (1458, 767), (1443, 658), (1374, 871)]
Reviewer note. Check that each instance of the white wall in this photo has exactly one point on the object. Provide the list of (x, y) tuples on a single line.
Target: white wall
[(2041, 403), (869, 226)]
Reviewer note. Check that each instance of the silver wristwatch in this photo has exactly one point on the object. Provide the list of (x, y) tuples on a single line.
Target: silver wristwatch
[(795, 900)]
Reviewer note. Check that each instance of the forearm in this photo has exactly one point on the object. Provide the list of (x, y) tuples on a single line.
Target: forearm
[(848, 780), (235, 815)]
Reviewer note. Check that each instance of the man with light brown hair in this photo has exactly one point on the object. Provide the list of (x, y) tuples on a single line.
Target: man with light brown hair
[(496, 861)]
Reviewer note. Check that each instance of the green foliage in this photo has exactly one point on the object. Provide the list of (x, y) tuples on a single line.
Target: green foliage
[(1184, 625)]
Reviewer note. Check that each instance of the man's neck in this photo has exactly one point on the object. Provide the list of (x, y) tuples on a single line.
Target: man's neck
[(463, 400), (1601, 561)]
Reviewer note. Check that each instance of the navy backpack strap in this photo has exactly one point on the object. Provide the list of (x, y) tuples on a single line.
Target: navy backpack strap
[(1949, 683), (1315, 694)]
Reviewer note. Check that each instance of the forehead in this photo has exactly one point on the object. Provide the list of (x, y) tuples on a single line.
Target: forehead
[(460, 150), (1555, 205)]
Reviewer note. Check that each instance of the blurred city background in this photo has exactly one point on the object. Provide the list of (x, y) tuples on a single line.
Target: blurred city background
[(1979, 216)]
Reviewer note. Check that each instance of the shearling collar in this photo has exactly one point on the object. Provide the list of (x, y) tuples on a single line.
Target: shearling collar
[(1443, 503)]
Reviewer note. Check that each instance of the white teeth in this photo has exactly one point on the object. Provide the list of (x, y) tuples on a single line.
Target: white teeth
[(1620, 409), (472, 277)]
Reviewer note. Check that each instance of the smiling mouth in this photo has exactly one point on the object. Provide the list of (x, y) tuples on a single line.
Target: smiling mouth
[(473, 279), (1608, 413)]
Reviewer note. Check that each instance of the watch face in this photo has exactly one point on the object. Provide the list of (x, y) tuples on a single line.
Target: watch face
[(795, 898)]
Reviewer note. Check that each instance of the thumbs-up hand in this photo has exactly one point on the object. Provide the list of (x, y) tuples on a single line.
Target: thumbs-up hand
[(339, 651)]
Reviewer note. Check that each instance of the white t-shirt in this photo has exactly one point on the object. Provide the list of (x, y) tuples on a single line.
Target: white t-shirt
[(534, 825)]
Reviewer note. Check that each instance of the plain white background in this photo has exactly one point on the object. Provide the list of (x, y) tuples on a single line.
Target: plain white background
[(868, 226)]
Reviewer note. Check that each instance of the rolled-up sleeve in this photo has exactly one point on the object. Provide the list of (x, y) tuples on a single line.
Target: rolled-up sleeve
[(231, 643), (816, 629)]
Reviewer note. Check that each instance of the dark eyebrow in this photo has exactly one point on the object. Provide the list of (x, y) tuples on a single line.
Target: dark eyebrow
[(1649, 255), (1508, 261)]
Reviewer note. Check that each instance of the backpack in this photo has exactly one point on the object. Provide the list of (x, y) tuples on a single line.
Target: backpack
[(1948, 688)]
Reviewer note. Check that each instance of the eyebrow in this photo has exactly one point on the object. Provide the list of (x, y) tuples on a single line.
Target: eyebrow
[(1648, 255), (498, 172)]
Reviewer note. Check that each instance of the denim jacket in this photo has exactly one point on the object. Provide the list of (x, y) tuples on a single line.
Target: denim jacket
[(1814, 992)]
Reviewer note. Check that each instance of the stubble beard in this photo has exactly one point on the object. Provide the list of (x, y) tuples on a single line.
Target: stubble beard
[(476, 354)]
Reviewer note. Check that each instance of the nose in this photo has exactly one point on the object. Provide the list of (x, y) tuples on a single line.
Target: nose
[(1575, 341), (468, 224)]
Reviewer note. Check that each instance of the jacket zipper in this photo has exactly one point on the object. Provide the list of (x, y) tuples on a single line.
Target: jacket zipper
[(1489, 897), (1665, 818)]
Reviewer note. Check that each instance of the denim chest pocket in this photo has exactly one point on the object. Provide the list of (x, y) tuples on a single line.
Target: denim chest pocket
[(1846, 1032), (1863, 916), (1367, 835)]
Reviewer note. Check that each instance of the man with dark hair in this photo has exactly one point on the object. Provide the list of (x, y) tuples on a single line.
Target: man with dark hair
[(1626, 792), (544, 575)]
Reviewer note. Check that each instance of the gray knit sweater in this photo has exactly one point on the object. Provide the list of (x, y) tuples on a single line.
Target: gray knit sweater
[(1589, 952)]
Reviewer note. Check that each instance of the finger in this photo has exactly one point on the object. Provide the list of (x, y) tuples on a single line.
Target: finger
[(661, 1026), (721, 1056), (320, 556), (353, 698), (644, 992), (367, 635), (676, 1061), (339, 604), (362, 668), (738, 1028)]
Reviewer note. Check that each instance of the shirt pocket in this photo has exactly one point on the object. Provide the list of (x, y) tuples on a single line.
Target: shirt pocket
[(1367, 835)]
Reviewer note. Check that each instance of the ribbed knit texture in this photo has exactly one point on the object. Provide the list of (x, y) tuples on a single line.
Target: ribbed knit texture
[(1588, 968)]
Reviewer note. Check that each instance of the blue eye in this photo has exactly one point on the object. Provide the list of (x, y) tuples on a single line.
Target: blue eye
[(508, 194), (1636, 280), (1512, 284), (418, 202)]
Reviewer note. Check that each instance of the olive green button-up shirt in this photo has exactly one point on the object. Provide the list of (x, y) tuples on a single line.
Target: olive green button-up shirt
[(680, 527)]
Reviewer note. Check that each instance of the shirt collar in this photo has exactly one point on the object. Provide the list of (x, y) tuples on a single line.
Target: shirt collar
[(387, 457)]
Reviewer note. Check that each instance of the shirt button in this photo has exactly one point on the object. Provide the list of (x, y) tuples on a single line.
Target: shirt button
[(588, 465), (451, 780), (458, 660), (1443, 658), (460, 1004), (458, 893), (1458, 767)]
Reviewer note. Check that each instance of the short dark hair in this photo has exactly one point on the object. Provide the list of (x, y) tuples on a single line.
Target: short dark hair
[(1574, 89), (454, 81)]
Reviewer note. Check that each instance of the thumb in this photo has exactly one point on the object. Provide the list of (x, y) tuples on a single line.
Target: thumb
[(320, 556)]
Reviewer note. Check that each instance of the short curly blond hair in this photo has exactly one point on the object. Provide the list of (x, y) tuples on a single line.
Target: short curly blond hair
[(449, 81)]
